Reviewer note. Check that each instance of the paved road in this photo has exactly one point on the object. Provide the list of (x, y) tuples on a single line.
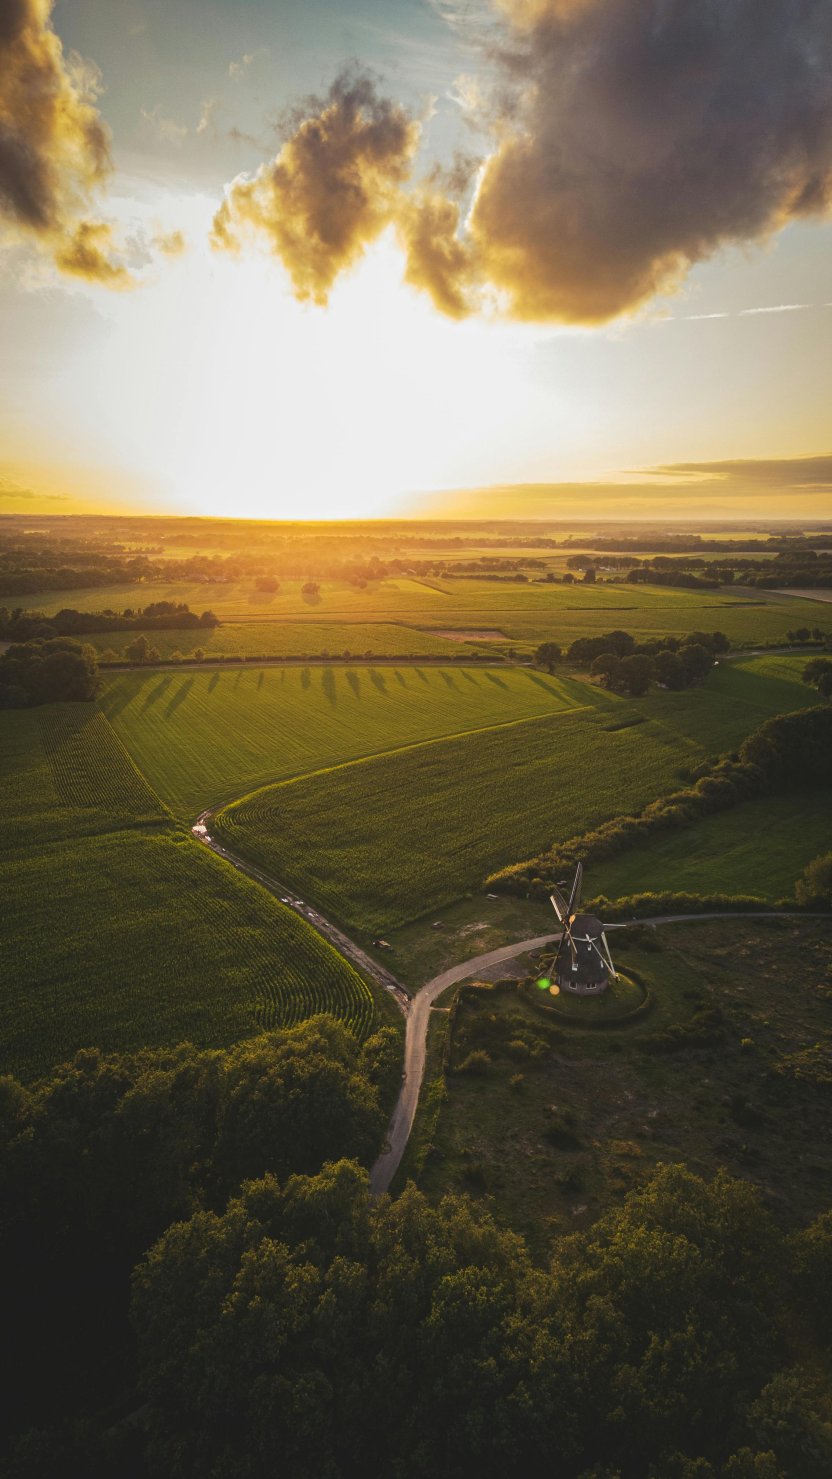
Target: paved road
[(418, 1018), (330, 931), (417, 1009)]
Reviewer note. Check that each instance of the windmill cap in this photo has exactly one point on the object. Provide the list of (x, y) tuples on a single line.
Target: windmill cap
[(585, 924)]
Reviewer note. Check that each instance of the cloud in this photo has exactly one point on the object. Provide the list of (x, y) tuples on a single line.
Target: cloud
[(627, 141), (206, 115), (646, 135), (164, 128), (237, 69), (332, 189), (13, 493), (756, 472), (170, 243), (54, 146), (86, 251)]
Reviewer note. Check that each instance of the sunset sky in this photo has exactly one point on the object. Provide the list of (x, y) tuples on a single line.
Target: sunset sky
[(333, 259)]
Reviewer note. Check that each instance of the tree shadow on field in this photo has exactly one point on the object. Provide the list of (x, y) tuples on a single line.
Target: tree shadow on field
[(214, 680), (450, 680), (354, 682), (420, 673), (328, 686), (400, 678), (378, 682), (492, 678), (155, 693), (541, 683), (469, 677), (260, 676), (179, 697), (114, 699), (305, 678)]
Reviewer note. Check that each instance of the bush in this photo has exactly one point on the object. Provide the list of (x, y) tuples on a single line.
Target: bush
[(478, 1063)]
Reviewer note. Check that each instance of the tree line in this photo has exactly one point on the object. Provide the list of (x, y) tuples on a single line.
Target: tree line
[(281, 1321), (621, 663), (21, 626), (58, 670)]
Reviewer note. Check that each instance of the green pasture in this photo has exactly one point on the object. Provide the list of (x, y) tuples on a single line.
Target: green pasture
[(119, 930), (287, 639), (758, 848), (381, 842), (558, 1122), (525, 612), (205, 737)]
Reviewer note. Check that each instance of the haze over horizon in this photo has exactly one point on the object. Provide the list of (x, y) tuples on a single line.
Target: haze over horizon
[(530, 259)]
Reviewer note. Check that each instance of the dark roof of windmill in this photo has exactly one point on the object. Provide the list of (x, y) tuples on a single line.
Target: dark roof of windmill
[(586, 924), (592, 969)]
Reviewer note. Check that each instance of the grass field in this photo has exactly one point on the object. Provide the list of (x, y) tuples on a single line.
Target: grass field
[(122, 930), (525, 612), (562, 1121), (288, 639), (758, 848), (205, 737), (383, 841)]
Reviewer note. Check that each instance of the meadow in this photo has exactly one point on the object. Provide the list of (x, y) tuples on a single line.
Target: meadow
[(759, 848), (558, 1121), (287, 639), (205, 737), (436, 818), (526, 613), (124, 931)]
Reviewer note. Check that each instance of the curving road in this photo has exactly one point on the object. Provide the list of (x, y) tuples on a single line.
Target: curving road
[(417, 1009)]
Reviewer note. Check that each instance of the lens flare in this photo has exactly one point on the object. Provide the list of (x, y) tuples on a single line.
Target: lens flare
[(544, 983), (554, 990)]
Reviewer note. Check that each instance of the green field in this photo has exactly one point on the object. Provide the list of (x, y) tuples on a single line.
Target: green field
[(559, 1121), (124, 931), (759, 848), (383, 841), (287, 639), (524, 612), (205, 737)]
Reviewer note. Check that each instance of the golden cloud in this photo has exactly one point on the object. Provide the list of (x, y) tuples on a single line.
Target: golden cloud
[(333, 188), (54, 146)]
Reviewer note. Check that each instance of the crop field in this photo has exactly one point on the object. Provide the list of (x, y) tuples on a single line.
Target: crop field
[(383, 841), (525, 612), (758, 848), (123, 930), (558, 1121), (287, 639), (204, 737)]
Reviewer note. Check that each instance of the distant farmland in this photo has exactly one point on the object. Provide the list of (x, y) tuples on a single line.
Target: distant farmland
[(526, 612)]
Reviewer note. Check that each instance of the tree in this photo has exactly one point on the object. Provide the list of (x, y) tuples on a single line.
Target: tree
[(816, 670), (267, 583), (56, 670), (589, 575), (548, 654), (814, 886), (138, 650), (311, 588), (635, 673), (606, 667), (670, 670), (696, 660)]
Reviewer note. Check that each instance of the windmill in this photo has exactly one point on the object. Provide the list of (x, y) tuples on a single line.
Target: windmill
[(583, 963)]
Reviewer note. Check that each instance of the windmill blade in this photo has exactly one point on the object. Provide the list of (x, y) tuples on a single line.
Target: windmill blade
[(609, 957), (575, 895), (559, 904)]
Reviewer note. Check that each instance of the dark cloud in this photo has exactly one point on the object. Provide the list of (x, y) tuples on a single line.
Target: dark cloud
[(810, 473), (54, 147), (332, 189), (648, 134)]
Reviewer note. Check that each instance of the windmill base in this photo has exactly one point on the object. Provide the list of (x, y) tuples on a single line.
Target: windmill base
[(583, 988)]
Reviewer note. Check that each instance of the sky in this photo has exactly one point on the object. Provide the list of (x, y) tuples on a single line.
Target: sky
[(499, 258)]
